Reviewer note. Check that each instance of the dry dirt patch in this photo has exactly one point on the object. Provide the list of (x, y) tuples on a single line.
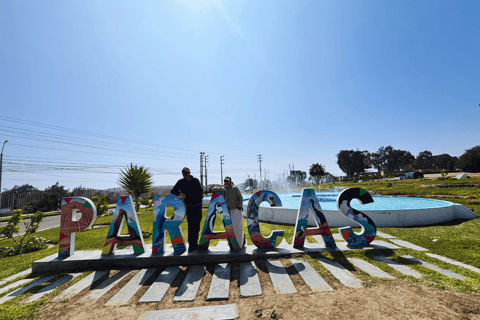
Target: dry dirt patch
[(396, 299)]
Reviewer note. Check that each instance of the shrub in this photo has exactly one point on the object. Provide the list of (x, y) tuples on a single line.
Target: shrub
[(444, 173), (33, 244), (101, 204), (12, 227)]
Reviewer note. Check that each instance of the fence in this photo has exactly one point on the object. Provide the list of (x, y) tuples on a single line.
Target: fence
[(39, 200)]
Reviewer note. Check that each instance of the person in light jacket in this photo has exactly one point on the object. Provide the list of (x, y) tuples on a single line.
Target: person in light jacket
[(234, 201)]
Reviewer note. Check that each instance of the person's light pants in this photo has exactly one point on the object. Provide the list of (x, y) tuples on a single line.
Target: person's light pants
[(237, 220)]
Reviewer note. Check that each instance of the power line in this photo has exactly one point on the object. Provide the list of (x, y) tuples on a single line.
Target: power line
[(5, 118), (83, 133)]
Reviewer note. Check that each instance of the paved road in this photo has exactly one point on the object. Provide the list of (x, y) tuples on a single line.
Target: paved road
[(47, 223)]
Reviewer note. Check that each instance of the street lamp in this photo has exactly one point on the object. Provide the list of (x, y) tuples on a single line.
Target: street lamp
[(1, 161)]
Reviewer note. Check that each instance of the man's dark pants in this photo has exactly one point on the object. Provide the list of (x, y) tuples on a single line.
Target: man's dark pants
[(194, 217)]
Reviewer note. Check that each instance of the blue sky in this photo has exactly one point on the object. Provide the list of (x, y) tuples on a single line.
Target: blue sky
[(86, 87)]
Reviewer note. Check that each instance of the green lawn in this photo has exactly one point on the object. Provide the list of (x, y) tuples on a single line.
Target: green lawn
[(457, 240), (419, 187)]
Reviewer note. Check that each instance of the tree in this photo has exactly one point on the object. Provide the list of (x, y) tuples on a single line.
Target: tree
[(297, 176), (24, 196), (137, 181), (394, 159), (470, 160), (21, 189), (377, 159), (328, 178), (423, 160), (445, 161), (405, 159), (53, 194), (352, 162), (317, 171)]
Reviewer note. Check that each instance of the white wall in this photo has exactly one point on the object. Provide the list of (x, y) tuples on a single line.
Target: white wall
[(390, 218)]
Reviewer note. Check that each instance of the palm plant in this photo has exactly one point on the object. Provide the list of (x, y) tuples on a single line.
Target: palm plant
[(317, 171), (137, 181)]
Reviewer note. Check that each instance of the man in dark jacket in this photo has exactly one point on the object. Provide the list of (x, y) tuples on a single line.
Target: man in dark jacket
[(190, 190)]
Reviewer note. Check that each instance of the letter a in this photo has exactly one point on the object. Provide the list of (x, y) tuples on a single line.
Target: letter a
[(309, 201), (125, 210), (218, 205)]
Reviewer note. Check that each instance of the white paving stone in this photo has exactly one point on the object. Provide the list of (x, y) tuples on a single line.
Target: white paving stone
[(21, 290), (51, 287), (445, 272), (82, 284), (280, 278), (454, 262), (249, 281), (15, 284), (407, 244), (220, 285), (15, 276), (128, 290), (106, 285), (384, 235), (190, 285), (399, 267), (342, 274), (158, 289), (369, 268), (222, 312), (311, 276)]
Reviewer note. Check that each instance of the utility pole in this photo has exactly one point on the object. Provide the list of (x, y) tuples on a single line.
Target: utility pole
[(206, 183), (222, 158), (260, 161), (1, 162), (201, 168)]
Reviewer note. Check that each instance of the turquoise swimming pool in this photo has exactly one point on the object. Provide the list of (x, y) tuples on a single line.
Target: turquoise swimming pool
[(328, 202)]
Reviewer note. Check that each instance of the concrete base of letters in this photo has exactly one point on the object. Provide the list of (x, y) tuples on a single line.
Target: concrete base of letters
[(127, 259)]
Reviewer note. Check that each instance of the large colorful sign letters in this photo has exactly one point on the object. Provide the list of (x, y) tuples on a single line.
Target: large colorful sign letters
[(309, 202), (369, 230), (253, 222), (70, 207), (218, 205), (161, 223), (125, 210)]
